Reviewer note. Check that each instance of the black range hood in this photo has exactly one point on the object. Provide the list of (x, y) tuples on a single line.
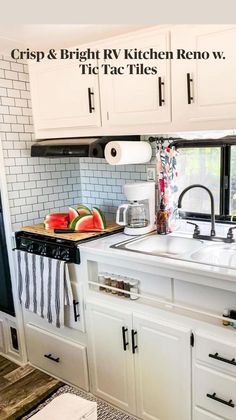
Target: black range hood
[(76, 147)]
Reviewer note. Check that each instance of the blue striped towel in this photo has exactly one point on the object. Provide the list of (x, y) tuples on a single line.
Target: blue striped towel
[(44, 286)]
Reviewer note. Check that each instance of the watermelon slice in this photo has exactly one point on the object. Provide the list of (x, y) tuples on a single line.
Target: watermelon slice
[(83, 222), (99, 220), (57, 216), (73, 213), (55, 225), (82, 210), (73, 223)]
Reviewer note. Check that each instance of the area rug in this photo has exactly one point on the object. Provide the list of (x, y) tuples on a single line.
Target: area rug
[(105, 410)]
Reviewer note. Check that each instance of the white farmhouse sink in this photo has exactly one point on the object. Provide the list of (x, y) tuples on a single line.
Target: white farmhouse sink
[(186, 249), (221, 255), (167, 246)]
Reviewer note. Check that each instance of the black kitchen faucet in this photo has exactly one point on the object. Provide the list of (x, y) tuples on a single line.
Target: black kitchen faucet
[(197, 234)]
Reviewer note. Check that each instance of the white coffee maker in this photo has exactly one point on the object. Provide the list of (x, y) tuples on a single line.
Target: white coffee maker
[(138, 216)]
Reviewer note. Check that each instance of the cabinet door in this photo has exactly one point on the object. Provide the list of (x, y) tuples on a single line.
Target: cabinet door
[(135, 99), (62, 97), (203, 90), (163, 370), (112, 368)]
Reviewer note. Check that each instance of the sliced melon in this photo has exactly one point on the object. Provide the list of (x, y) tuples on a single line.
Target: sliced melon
[(82, 210), (57, 216), (73, 222), (73, 213), (99, 219), (84, 222)]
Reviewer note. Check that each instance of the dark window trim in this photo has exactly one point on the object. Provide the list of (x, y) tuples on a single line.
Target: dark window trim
[(225, 146)]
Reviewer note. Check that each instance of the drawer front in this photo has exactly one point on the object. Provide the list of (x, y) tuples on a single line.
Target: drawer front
[(74, 315), (220, 354), (216, 392), (57, 356), (204, 415)]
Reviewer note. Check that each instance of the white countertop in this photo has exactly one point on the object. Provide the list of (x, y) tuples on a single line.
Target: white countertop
[(101, 247)]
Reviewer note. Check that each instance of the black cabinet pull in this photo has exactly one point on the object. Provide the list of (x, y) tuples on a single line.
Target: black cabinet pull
[(54, 359), (125, 343), (222, 359), (90, 94), (134, 346), (161, 99), (214, 397), (189, 81), (76, 315)]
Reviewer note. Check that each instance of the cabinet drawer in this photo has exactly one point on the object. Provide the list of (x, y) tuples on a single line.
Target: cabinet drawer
[(216, 392), (65, 359), (204, 415), (217, 353)]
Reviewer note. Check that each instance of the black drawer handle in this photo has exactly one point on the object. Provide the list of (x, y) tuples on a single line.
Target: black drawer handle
[(54, 359), (222, 359), (90, 94), (76, 315), (214, 397), (189, 81), (160, 84), (125, 343), (134, 346)]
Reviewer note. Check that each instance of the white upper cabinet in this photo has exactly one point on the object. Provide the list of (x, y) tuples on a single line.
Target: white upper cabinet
[(185, 94), (204, 90), (136, 100), (62, 98)]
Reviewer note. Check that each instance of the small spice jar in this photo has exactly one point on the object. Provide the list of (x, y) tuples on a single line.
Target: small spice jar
[(226, 315), (107, 282), (134, 288), (101, 280), (120, 282), (114, 283), (126, 287)]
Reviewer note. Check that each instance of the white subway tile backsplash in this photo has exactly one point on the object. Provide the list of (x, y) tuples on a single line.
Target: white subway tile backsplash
[(6, 83), (13, 93), (38, 186), (27, 177)]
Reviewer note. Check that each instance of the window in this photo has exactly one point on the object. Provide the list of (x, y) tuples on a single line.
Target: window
[(212, 164)]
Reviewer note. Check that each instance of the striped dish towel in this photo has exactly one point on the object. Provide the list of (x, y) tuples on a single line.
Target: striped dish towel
[(44, 286)]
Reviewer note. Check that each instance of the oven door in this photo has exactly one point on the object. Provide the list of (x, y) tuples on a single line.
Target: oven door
[(74, 315)]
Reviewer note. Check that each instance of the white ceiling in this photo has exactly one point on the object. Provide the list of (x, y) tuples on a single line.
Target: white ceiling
[(56, 36)]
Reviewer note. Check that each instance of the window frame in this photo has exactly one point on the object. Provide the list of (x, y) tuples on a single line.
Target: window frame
[(225, 171)]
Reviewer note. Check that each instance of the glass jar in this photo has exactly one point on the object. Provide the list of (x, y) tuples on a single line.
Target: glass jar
[(126, 287), (101, 280), (134, 288), (114, 283), (120, 281), (107, 282)]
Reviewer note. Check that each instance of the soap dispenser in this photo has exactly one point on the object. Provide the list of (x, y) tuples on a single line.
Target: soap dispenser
[(162, 220)]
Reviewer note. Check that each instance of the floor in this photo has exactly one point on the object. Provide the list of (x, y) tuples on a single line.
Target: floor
[(105, 411), (22, 388)]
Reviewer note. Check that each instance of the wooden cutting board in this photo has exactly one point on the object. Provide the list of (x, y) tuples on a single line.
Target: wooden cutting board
[(40, 230)]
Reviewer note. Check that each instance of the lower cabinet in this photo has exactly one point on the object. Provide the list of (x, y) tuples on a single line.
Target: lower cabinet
[(214, 377), (111, 362), (64, 359), (142, 365), (163, 370)]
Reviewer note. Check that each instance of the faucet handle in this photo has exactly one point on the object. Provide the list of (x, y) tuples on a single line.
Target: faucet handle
[(230, 232), (196, 229)]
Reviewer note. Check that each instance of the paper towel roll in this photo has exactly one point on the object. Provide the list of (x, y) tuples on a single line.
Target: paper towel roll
[(127, 152)]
